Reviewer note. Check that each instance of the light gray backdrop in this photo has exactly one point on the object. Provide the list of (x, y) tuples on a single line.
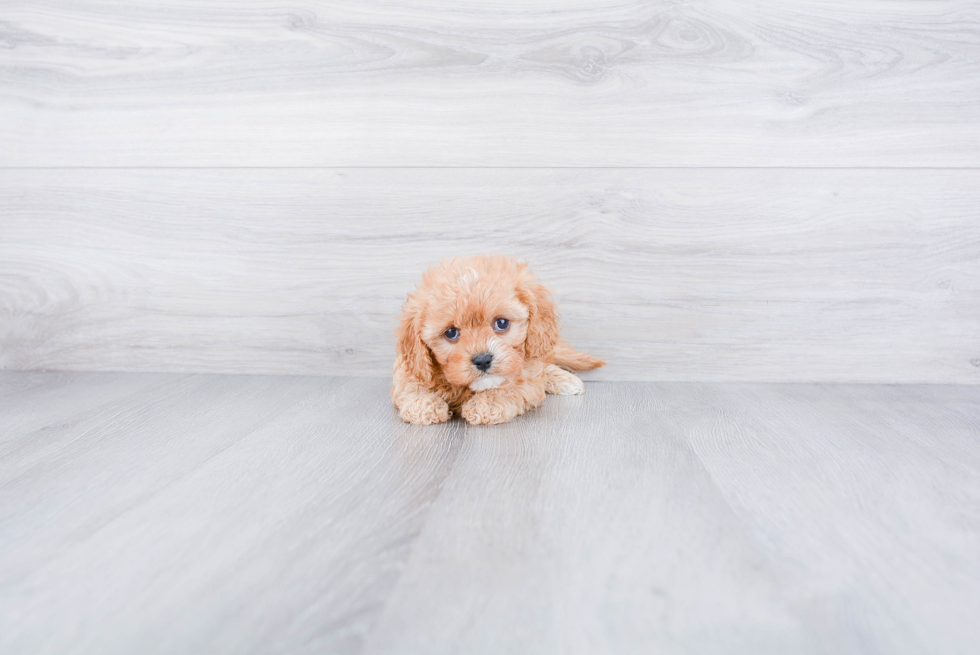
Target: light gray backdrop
[(714, 190)]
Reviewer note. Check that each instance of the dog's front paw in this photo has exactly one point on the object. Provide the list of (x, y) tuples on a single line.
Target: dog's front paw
[(486, 409), (560, 382), (425, 410)]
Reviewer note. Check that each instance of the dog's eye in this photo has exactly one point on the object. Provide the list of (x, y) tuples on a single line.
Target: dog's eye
[(501, 324), (452, 334)]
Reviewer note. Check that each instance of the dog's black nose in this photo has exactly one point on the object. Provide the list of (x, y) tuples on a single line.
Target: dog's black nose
[(482, 361)]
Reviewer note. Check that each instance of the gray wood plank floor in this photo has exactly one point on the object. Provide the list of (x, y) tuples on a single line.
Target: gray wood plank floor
[(160, 513)]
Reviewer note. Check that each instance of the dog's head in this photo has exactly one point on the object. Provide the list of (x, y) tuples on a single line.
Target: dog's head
[(476, 320)]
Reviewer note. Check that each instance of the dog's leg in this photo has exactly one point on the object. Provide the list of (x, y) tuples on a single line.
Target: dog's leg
[(418, 405), (503, 403), (424, 409), (562, 383)]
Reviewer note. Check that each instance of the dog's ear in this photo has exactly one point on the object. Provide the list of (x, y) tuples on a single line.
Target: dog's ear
[(409, 345), (542, 321)]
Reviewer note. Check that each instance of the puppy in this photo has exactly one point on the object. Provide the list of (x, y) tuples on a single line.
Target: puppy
[(480, 337)]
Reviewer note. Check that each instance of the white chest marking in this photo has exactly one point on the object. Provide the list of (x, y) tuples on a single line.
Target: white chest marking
[(488, 382)]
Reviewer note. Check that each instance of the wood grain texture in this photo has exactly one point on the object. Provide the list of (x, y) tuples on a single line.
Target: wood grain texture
[(542, 83), (687, 518), (588, 527), (64, 397), (218, 514), (887, 475), (778, 275), (288, 514)]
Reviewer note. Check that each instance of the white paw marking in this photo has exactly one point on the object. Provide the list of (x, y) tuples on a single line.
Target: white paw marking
[(487, 382), (571, 387)]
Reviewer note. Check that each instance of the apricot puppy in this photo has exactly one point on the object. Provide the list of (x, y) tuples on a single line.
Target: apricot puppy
[(479, 336)]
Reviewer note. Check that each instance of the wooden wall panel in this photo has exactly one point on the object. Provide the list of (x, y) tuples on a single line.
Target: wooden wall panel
[(537, 83), (751, 274)]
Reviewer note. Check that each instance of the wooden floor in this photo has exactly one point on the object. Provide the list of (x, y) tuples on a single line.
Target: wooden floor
[(164, 513)]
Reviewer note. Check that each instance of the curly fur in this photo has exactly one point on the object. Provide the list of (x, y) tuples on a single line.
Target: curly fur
[(435, 377)]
